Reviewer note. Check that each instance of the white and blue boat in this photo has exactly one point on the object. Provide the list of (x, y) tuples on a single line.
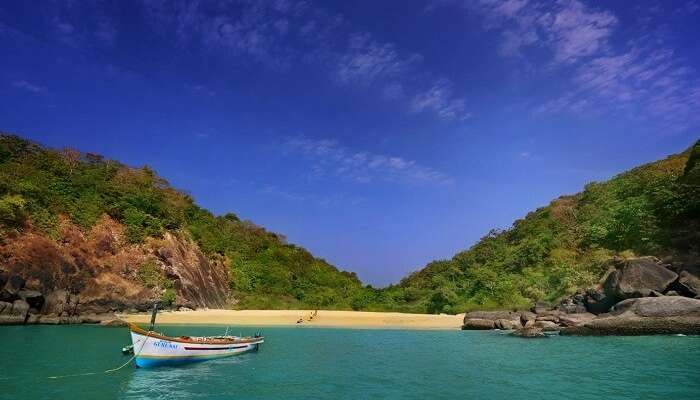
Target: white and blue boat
[(154, 349)]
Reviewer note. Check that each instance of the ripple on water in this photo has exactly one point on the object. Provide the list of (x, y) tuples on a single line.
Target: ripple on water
[(300, 363)]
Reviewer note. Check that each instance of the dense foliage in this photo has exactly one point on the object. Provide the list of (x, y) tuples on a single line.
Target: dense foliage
[(651, 210), (38, 186), (555, 250)]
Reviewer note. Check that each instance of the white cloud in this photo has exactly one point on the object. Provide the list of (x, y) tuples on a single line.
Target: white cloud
[(66, 33), (692, 6), (652, 84), (28, 86), (576, 31), (257, 30), (568, 28), (514, 40), (440, 100), (280, 34), (648, 82), (367, 60), (275, 34), (200, 89), (510, 8), (329, 159)]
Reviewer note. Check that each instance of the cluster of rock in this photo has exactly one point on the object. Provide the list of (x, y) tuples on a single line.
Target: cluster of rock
[(637, 296), (19, 305), (645, 316), (85, 277), (532, 323)]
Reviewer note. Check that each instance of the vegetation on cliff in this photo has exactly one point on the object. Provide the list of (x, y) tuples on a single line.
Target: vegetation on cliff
[(39, 186), (653, 209)]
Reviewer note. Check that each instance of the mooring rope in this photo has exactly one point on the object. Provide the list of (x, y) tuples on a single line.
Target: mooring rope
[(109, 371)]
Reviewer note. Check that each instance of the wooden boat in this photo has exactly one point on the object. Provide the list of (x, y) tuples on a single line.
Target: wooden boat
[(154, 349)]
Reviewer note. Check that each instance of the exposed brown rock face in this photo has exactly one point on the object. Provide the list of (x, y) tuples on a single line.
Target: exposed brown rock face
[(200, 281), (98, 271)]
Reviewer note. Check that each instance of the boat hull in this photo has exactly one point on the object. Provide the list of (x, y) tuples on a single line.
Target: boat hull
[(150, 351)]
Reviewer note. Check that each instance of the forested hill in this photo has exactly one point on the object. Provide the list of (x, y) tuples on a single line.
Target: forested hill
[(44, 192), (653, 209), (103, 236)]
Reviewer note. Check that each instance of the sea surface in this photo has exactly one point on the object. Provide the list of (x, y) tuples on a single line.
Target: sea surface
[(317, 363)]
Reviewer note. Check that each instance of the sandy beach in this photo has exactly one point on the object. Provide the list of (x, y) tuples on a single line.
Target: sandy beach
[(347, 319)]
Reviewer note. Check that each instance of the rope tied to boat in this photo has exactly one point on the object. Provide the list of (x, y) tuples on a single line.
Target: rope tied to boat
[(109, 371)]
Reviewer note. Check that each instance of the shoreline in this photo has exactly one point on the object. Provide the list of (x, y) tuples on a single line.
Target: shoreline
[(323, 319)]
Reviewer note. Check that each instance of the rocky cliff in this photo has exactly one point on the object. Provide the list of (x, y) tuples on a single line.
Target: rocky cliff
[(96, 271), (82, 229)]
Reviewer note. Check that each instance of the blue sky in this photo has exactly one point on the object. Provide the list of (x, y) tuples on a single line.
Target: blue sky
[(379, 135)]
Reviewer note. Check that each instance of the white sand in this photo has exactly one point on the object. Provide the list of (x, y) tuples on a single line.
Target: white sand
[(349, 319)]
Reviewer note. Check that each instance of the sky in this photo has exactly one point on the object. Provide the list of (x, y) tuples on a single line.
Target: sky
[(380, 135)]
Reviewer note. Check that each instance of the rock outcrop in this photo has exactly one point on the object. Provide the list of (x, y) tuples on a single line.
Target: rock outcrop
[(575, 304), (482, 320), (547, 325), (688, 283), (638, 296), (114, 323), (632, 278), (493, 315), (575, 319), (11, 285), (689, 280), (99, 272), (506, 324), (200, 281), (638, 277), (645, 316), (530, 333), (478, 324)]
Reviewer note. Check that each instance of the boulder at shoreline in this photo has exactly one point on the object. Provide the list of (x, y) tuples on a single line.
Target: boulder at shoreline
[(630, 278), (115, 323), (637, 296), (530, 333), (478, 324), (645, 316), (639, 277), (483, 320)]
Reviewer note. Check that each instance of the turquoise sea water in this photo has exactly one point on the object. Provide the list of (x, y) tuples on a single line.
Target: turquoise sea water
[(302, 363)]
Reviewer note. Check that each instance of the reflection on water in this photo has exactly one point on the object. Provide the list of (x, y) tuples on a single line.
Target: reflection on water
[(185, 381), (302, 363)]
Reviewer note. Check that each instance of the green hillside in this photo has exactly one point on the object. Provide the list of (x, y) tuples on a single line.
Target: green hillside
[(39, 185), (653, 209)]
